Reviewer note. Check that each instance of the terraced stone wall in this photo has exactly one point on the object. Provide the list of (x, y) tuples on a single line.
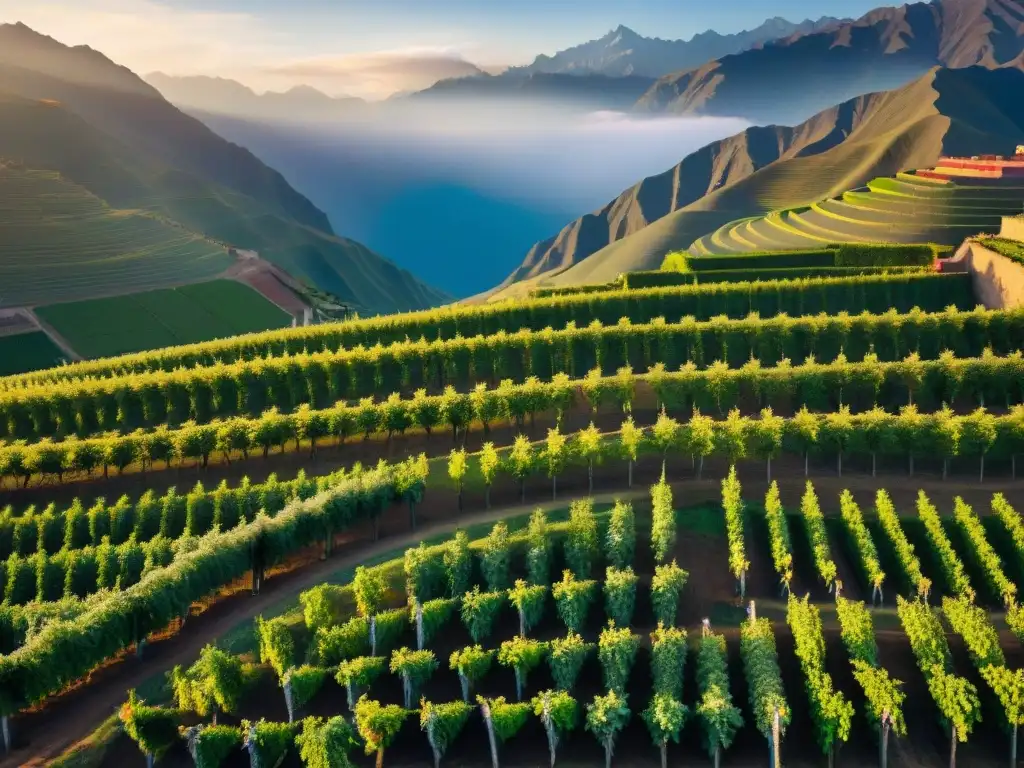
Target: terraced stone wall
[(1012, 228), (998, 281)]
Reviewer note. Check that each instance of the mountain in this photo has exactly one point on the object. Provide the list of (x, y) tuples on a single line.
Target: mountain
[(790, 79), (960, 111), (623, 52), (218, 95), (589, 91), (74, 112)]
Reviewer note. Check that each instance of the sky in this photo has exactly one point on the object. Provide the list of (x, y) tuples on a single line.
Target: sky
[(371, 48)]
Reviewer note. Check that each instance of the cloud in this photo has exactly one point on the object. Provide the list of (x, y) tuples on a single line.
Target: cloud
[(378, 74)]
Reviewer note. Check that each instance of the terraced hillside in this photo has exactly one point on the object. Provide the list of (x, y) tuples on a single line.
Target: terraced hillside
[(61, 242), (907, 208), (841, 372)]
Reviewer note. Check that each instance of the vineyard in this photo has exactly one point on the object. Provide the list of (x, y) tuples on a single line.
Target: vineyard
[(681, 614)]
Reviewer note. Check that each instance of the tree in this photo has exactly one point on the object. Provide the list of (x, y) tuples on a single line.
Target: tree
[(630, 439), (503, 721), (668, 660), (489, 464), (458, 564), (495, 558), (554, 456), (267, 743), (802, 432), (528, 600), (415, 668), (325, 744), (300, 685), (957, 699), (978, 437), (276, 646), (620, 539), (215, 683), (357, 674), (589, 447), (538, 553), (666, 588), (431, 616), (479, 611), (617, 649), (698, 439), (767, 437), (472, 664), (663, 520), (665, 717), (378, 725), (620, 594), (154, 729), (457, 468), (720, 719), (442, 724), (521, 654), (606, 716), (664, 436), (566, 657), (573, 598), (558, 713), (885, 700), (369, 587), (520, 462), (581, 543), (1009, 689)]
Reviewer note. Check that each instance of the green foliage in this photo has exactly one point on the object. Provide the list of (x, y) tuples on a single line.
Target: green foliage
[(668, 660), (325, 743), (443, 723), (957, 700), (277, 648), (732, 503), (538, 553), (606, 716), (458, 564), (665, 717), (358, 674), (979, 634), (883, 695), (268, 741), (620, 539), (388, 629), (425, 574), (663, 521), (210, 745), (479, 612), (154, 729), (984, 556), (909, 562), (778, 535), (305, 682), (415, 668), (378, 724), (620, 594), (566, 657), (581, 545), (528, 600), (617, 649), (522, 655), (764, 680), (215, 683), (666, 587), (506, 719), (471, 664), (720, 718), (860, 538), (857, 630), (347, 641), (436, 614), (1009, 689), (573, 598), (814, 523), (496, 558), (952, 567), (370, 588)]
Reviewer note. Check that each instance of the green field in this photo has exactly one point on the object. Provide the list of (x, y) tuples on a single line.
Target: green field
[(904, 209), (60, 242), (200, 312), (24, 352)]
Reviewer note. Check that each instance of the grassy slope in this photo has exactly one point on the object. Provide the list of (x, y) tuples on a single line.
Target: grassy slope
[(199, 312), (23, 352), (108, 131)]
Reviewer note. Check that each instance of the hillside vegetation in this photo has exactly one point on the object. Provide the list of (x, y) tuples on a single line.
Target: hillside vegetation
[(961, 112), (72, 112)]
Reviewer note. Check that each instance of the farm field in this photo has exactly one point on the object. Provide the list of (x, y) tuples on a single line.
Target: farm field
[(21, 352), (905, 209), (838, 385), (163, 318), (47, 222)]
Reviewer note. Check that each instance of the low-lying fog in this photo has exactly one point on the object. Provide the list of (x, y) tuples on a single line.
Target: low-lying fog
[(458, 195)]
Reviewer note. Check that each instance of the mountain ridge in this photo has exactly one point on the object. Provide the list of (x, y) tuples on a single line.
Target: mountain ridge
[(883, 49), (769, 167)]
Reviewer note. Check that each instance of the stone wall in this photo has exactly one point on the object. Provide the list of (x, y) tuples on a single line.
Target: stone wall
[(1013, 228), (998, 281)]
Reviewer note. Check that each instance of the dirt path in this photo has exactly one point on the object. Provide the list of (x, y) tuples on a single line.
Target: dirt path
[(81, 711)]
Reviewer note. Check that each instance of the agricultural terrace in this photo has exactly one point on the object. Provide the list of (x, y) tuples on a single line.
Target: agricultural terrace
[(777, 408), (909, 208), (61, 243), (163, 318)]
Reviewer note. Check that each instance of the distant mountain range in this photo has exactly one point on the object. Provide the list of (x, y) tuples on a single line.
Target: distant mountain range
[(111, 133), (945, 111), (792, 78), (622, 52), (222, 96)]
